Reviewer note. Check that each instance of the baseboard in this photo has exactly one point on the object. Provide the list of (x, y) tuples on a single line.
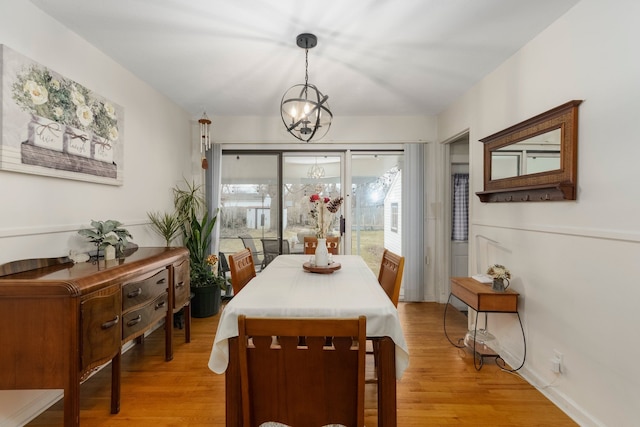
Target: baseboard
[(567, 405)]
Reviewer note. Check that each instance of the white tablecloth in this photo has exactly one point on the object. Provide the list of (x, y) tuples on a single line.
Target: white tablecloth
[(284, 289)]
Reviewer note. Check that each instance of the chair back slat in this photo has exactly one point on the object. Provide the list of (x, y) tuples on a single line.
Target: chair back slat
[(310, 244), (242, 269), (302, 372), (390, 275)]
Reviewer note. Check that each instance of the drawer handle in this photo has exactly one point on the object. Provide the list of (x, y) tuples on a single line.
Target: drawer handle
[(179, 284), (161, 281), (135, 293), (160, 304), (134, 321), (111, 323)]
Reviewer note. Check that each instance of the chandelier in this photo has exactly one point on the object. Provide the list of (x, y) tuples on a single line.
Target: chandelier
[(304, 109), (205, 139), (316, 171)]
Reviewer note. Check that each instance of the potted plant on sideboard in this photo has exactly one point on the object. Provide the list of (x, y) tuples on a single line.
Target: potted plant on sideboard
[(108, 236)]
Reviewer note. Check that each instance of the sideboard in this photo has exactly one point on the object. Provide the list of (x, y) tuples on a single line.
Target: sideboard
[(61, 321)]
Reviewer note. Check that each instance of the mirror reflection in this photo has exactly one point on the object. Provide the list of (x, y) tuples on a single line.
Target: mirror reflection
[(534, 160), (540, 153)]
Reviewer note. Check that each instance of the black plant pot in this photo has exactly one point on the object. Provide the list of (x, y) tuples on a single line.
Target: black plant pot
[(206, 301)]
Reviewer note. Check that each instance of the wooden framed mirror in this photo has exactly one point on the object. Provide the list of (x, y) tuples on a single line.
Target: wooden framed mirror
[(535, 160)]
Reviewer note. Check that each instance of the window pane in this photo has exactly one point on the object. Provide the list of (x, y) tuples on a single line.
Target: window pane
[(376, 187), (249, 201)]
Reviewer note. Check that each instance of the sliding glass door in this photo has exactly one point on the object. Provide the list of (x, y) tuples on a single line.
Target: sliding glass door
[(249, 202), (304, 175), (265, 195), (376, 205)]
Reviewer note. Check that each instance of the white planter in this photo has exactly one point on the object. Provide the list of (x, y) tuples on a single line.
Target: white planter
[(46, 133), (77, 142), (102, 149), (110, 252)]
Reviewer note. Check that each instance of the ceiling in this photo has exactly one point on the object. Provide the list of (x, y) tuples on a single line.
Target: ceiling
[(374, 57)]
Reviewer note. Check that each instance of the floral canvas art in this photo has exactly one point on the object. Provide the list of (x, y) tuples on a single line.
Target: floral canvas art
[(54, 126)]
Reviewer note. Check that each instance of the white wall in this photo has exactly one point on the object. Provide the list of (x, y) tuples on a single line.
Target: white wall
[(575, 263), (40, 216), (344, 130)]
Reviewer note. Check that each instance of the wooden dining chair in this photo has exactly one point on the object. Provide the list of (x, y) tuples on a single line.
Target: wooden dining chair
[(310, 244), (242, 269), (390, 274), (390, 279), (309, 385)]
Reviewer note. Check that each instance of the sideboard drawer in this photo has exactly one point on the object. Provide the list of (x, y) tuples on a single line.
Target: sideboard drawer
[(181, 284), (137, 321), (100, 317), (142, 291)]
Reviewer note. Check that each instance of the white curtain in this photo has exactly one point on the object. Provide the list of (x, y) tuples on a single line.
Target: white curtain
[(413, 196), (212, 190)]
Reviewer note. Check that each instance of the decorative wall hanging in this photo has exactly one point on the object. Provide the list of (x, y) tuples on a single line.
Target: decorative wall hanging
[(205, 138), (53, 126)]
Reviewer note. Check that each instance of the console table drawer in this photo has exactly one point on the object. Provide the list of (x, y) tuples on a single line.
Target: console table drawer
[(137, 321), (481, 297), (142, 291)]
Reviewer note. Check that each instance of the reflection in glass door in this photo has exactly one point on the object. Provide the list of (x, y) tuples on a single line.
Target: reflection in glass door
[(376, 206), (249, 201), (304, 175), (265, 195)]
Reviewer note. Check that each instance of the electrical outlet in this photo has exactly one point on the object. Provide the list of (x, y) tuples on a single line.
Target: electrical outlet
[(556, 362)]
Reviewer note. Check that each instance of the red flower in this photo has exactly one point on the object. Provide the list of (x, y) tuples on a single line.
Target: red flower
[(314, 197), (327, 200)]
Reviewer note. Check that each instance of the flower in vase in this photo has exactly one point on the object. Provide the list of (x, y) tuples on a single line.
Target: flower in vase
[(498, 271), (322, 219)]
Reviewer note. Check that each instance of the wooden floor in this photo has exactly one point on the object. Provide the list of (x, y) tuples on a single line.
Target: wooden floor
[(441, 387)]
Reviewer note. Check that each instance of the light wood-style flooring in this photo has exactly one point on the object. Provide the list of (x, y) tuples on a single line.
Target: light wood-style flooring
[(441, 387)]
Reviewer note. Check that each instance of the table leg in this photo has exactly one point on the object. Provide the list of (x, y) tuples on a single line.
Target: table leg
[(187, 322), (115, 382), (72, 404), (168, 336), (233, 392), (387, 410)]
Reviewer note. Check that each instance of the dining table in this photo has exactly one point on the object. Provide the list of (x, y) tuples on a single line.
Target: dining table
[(285, 288)]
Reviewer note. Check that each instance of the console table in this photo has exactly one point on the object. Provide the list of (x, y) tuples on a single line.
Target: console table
[(482, 298), (64, 320)]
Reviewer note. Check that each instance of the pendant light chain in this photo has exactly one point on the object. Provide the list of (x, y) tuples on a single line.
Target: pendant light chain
[(306, 66)]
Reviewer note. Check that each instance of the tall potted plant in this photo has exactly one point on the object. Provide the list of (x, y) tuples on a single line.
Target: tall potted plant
[(206, 284)]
